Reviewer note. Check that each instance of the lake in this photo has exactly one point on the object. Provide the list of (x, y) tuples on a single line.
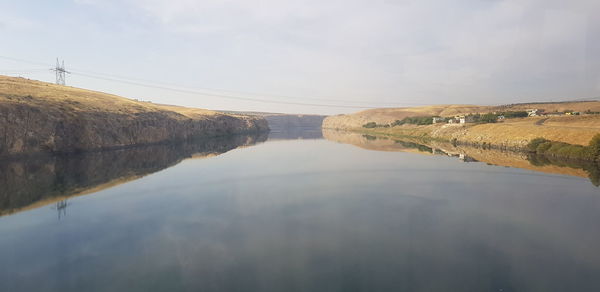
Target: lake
[(297, 212)]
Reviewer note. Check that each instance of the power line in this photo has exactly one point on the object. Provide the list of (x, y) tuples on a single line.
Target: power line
[(217, 95), (112, 76), (144, 83), (25, 61)]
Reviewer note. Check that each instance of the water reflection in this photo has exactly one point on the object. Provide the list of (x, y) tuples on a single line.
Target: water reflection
[(41, 180), (295, 133), (466, 153), (313, 215)]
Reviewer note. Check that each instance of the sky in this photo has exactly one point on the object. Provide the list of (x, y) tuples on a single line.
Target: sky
[(313, 56)]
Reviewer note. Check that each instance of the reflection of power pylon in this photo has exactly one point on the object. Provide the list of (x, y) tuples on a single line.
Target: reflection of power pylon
[(61, 208)]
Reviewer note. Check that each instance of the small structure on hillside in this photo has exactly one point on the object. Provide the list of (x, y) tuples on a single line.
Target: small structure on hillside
[(501, 118), (465, 119), (438, 120), (532, 112)]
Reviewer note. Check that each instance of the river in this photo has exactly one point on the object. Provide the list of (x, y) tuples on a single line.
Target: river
[(294, 212)]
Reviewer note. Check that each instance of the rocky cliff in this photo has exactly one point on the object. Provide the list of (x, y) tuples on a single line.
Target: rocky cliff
[(42, 117)]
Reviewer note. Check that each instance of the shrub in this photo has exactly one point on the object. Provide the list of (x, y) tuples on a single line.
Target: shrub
[(543, 147), (594, 145), (533, 144), (370, 125), (397, 123), (565, 150), (514, 114), (414, 121), (488, 118)]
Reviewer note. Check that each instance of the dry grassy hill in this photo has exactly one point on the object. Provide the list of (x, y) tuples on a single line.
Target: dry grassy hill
[(389, 115), (512, 133), (38, 116)]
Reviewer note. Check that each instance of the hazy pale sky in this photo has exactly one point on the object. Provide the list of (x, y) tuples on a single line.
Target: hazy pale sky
[(358, 53)]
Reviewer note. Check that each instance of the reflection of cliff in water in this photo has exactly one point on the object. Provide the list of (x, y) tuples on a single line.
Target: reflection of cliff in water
[(36, 181), (296, 133), (287, 127), (469, 154)]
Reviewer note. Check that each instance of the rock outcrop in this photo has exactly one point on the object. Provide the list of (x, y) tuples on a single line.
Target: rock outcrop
[(42, 117)]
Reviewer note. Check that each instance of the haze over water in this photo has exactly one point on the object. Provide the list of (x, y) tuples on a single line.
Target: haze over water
[(294, 214)]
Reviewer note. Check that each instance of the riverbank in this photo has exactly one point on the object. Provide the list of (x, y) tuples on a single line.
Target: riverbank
[(512, 134), (42, 117)]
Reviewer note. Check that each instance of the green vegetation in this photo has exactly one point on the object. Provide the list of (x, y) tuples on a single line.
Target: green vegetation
[(428, 120), (514, 114), (546, 147), (414, 121), (488, 118)]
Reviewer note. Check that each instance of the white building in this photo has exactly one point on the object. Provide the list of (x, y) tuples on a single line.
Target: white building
[(438, 120), (464, 119), (532, 112)]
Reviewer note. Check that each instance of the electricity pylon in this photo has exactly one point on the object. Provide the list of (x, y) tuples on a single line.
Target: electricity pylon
[(60, 72)]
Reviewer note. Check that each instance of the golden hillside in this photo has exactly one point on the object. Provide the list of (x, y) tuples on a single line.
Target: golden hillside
[(389, 115), (42, 117), (511, 133), (14, 90)]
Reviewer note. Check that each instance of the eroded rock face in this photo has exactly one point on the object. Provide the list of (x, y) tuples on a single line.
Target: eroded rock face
[(32, 127)]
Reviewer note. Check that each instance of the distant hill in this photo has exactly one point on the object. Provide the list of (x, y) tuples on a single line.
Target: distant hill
[(284, 122), (389, 115)]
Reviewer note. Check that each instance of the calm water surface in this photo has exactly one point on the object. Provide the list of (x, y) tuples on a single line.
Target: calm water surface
[(293, 215)]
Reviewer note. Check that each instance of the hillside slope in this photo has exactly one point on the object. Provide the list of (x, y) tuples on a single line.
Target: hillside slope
[(389, 115), (37, 116), (512, 133)]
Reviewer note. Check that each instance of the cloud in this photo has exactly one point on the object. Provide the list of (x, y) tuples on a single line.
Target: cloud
[(468, 51), (464, 50)]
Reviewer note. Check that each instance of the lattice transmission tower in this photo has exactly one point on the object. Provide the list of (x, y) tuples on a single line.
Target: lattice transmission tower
[(60, 72)]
